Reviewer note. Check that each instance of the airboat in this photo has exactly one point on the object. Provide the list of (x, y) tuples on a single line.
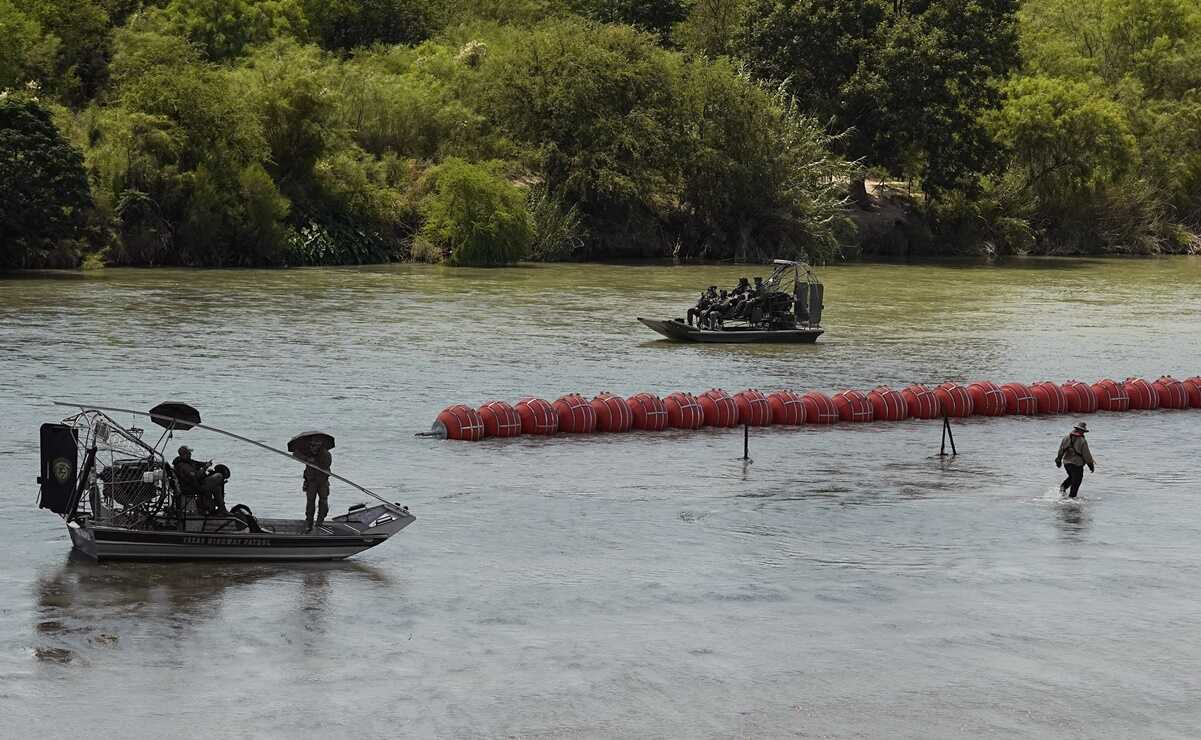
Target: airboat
[(121, 498), (788, 309)]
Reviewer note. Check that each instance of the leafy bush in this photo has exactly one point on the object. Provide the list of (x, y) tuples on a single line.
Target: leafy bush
[(474, 217), (44, 186)]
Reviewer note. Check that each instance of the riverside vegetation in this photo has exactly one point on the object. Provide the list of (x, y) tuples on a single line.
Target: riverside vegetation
[(290, 132)]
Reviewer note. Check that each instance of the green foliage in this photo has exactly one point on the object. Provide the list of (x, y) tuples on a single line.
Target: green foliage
[(224, 28), (656, 16), (79, 32), (1066, 139), (475, 217), (557, 231), (909, 81), (27, 53), (45, 190), (344, 25), (711, 26)]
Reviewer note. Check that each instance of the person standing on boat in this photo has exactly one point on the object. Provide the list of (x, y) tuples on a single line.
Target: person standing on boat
[(316, 483), (1073, 456)]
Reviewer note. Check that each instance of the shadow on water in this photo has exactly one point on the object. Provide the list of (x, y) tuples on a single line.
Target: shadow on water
[(82, 604)]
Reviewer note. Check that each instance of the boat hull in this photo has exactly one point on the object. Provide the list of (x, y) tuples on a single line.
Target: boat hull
[(340, 538), (678, 331)]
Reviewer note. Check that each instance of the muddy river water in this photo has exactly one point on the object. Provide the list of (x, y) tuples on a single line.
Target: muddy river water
[(847, 583)]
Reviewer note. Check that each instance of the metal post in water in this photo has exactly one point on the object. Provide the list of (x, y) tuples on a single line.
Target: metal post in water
[(947, 433), (746, 441)]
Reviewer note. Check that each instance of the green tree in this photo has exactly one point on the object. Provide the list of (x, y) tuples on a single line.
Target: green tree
[(82, 39), (224, 28), (42, 178), (27, 53), (1064, 137), (656, 16), (908, 80), (474, 217), (344, 25)]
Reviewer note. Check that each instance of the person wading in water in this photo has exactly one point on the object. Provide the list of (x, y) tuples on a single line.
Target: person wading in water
[(1073, 456)]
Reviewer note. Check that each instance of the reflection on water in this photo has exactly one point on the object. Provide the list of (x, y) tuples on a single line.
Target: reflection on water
[(848, 583), (84, 605)]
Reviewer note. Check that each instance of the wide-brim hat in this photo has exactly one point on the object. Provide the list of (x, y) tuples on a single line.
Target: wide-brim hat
[(1081, 426), (183, 448)]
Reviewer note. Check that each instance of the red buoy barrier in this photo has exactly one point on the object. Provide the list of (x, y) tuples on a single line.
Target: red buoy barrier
[(1019, 400), (459, 422), (1050, 397), (887, 404), (819, 409), (1081, 399), (1192, 387), (718, 408), (1111, 395), (1143, 396), (576, 415), (954, 400), (649, 412), (537, 416), (612, 413), (921, 402), (753, 408), (987, 399), (500, 420), (852, 406), (683, 412), (1172, 394), (786, 408)]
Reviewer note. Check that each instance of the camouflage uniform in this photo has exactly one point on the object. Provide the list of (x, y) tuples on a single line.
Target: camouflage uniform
[(316, 486)]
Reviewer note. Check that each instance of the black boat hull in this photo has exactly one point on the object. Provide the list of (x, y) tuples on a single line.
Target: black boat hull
[(339, 538), (678, 331)]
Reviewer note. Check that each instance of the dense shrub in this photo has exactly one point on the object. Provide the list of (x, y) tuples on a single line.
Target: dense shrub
[(43, 185), (474, 217)]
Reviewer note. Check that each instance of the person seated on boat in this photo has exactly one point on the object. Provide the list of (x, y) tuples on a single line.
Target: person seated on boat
[(188, 473), (718, 311), (760, 288), (707, 299), (743, 287)]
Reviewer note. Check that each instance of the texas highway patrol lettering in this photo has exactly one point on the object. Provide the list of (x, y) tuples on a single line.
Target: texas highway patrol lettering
[(234, 541)]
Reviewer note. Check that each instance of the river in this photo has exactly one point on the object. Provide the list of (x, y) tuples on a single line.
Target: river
[(847, 583)]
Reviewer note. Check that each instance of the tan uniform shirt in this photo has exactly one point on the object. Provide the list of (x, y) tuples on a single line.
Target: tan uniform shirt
[(1073, 450)]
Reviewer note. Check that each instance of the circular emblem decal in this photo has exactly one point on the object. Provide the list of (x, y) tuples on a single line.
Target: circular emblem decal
[(62, 468)]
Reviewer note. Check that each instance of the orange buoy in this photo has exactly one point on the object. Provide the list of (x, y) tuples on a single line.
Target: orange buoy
[(537, 416), (1111, 395), (819, 409), (718, 408), (1019, 400), (649, 413), (459, 422), (1081, 399), (786, 408), (1192, 387), (921, 402), (612, 413), (753, 408), (1050, 397), (954, 400), (1172, 394), (1143, 396), (987, 399), (683, 412), (852, 406), (887, 404), (500, 419), (576, 415)]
